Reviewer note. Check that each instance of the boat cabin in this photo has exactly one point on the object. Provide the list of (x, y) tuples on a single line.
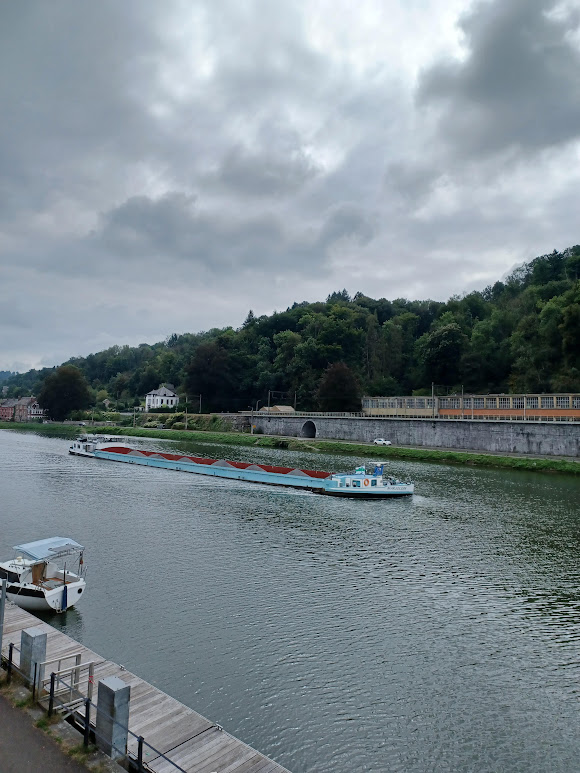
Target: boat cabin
[(86, 445), (83, 445), (357, 480), (371, 481), (35, 563), (361, 477)]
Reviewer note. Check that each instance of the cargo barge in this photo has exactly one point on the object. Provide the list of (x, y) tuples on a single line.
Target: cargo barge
[(359, 484)]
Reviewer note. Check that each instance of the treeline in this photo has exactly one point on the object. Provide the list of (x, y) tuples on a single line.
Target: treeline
[(517, 335)]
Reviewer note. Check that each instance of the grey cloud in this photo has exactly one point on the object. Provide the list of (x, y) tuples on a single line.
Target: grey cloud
[(172, 229), (264, 57), (347, 221), (12, 318), (519, 87), (142, 226), (264, 174), (74, 76), (411, 180), (215, 157)]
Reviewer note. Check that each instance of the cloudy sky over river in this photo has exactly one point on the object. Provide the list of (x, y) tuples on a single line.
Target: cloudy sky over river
[(164, 167)]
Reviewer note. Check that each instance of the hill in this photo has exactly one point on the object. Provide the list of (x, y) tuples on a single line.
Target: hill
[(517, 335)]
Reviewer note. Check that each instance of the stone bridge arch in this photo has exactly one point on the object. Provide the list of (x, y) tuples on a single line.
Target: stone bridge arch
[(308, 429)]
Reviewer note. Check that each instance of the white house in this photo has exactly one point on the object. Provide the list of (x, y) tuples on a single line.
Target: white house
[(162, 396)]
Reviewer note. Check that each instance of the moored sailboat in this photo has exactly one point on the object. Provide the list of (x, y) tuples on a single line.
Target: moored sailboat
[(35, 579)]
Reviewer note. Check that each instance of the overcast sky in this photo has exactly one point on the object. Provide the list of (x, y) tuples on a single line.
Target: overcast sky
[(166, 166)]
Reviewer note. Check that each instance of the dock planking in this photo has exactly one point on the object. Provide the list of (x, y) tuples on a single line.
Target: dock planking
[(187, 738)]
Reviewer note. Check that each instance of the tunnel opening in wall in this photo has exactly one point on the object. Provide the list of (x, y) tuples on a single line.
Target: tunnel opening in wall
[(308, 429)]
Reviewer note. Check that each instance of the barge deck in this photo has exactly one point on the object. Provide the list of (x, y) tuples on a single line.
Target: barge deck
[(360, 484)]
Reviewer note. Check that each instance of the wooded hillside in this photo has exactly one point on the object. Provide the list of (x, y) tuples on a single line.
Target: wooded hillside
[(519, 335)]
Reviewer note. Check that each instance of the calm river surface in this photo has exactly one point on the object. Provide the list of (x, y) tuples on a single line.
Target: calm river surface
[(438, 633)]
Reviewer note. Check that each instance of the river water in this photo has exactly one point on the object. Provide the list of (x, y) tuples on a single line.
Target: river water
[(437, 633)]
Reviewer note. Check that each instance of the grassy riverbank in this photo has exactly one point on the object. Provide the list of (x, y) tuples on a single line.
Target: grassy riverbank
[(57, 430), (472, 459)]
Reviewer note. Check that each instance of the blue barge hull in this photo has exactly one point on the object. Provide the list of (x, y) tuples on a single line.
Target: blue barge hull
[(254, 476), (359, 484)]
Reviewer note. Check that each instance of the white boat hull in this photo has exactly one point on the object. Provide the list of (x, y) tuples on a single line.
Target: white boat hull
[(34, 599), (389, 490)]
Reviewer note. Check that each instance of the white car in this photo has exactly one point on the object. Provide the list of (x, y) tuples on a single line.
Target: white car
[(379, 441)]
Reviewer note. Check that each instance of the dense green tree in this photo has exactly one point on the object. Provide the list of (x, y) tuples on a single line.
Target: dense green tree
[(386, 387), (487, 357), (220, 372), (570, 331), (440, 353), (530, 371), (341, 296), (64, 391), (339, 389), (572, 266)]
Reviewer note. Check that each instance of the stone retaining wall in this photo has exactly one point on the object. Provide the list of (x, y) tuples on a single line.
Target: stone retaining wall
[(518, 437)]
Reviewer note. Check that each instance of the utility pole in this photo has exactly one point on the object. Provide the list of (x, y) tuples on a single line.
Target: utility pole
[(185, 411), (200, 404), (433, 399)]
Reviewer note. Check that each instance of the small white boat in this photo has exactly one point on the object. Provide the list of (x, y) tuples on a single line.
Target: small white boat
[(86, 445), (37, 582)]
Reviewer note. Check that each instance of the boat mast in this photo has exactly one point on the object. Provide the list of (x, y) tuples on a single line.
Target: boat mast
[(64, 602)]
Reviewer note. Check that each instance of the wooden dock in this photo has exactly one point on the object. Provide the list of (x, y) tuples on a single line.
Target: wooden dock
[(185, 738)]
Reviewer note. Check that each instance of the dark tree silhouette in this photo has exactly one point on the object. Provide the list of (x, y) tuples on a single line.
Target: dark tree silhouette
[(339, 389), (64, 391)]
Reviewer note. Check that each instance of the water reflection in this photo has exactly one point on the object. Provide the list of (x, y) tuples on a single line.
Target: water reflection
[(69, 622)]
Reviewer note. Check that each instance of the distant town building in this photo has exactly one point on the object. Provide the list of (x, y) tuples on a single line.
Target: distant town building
[(161, 397), (7, 409), (28, 409), (24, 409)]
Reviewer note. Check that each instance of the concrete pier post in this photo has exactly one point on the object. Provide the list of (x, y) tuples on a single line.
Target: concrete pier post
[(32, 652), (113, 716)]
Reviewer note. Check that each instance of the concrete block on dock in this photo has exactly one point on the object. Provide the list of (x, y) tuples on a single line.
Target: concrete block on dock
[(32, 652), (113, 716)]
